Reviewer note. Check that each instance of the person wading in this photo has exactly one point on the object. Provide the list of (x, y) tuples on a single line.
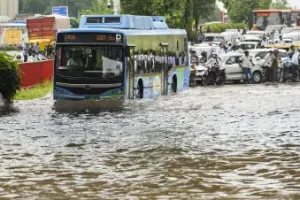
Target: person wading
[(246, 64), (275, 65)]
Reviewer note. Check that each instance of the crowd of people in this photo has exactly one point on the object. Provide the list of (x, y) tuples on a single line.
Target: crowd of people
[(32, 52), (272, 60)]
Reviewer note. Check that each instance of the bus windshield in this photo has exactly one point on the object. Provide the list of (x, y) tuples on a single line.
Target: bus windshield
[(268, 19), (104, 61)]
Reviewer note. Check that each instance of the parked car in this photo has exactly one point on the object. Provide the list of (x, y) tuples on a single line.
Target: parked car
[(234, 72)]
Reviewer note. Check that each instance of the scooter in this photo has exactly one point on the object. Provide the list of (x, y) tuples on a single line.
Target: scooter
[(198, 74), (287, 73)]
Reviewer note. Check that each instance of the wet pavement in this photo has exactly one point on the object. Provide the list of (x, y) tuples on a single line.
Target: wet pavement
[(231, 142)]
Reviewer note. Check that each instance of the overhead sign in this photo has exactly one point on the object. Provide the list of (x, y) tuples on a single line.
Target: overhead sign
[(61, 10)]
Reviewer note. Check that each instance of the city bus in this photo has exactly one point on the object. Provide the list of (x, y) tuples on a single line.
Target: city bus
[(264, 18), (120, 57)]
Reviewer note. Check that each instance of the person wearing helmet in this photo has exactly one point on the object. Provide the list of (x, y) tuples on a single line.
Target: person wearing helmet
[(246, 64), (203, 58), (194, 57)]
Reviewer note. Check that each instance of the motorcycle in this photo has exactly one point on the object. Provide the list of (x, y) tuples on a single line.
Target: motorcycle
[(216, 75), (287, 73), (198, 74)]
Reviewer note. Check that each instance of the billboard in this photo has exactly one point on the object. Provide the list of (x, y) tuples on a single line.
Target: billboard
[(61, 10)]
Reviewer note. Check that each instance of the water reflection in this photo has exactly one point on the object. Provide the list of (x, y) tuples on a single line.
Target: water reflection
[(87, 107), (8, 109)]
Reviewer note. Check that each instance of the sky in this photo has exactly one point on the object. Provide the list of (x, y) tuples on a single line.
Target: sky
[(293, 3)]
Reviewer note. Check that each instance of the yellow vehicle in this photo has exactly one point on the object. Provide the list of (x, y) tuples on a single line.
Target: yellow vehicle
[(42, 43), (283, 46)]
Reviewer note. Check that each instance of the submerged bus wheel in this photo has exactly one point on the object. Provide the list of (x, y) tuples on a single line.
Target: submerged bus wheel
[(140, 89), (174, 84)]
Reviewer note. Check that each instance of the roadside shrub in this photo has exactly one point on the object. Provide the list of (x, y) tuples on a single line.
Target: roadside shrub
[(219, 28), (9, 76)]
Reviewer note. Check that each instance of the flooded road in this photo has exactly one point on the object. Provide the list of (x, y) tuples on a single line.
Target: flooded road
[(231, 142)]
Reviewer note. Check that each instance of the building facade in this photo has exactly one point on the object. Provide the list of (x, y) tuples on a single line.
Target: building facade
[(9, 8)]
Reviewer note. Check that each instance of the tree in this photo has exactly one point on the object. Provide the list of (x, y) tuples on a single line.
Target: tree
[(189, 16), (240, 10), (33, 6), (98, 7), (280, 4), (9, 76), (203, 9), (45, 7), (173, 10)]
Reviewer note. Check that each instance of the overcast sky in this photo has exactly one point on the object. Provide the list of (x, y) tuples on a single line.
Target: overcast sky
[(293, 3)]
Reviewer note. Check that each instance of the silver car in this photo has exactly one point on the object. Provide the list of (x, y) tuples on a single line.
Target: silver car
[(234, 72)]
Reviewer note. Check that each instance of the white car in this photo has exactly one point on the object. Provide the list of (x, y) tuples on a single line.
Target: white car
[(199, 48), (247, 45), (213, 38), (259, 34), (234, 72), (251, 38), (258, 56)]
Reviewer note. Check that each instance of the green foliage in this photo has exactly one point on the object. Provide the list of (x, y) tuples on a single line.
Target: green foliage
[(45, 7), (10, 48), (74, 22), (37, 91), (98, 7), (204, 10), (173, 10), (280, 4), (9, 76), (240, 10), (219, 28), (33, 6)]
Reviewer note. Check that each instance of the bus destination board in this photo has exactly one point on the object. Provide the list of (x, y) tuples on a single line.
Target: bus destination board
[(89, 38), (262, 14)]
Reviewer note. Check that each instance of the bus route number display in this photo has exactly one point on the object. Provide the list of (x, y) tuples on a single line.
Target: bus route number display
[(262, 14), (97, 37)]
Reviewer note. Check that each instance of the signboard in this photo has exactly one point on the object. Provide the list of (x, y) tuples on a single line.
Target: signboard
[(61, 10), (89, 37), (262, 14)]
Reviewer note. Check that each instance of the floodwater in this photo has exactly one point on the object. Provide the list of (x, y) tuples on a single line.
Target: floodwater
[(223, 143)]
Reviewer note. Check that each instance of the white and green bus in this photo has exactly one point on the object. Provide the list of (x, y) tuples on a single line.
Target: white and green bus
[(120, 57)]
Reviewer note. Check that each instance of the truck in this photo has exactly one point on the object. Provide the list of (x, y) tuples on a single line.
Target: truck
[(43, 28)]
